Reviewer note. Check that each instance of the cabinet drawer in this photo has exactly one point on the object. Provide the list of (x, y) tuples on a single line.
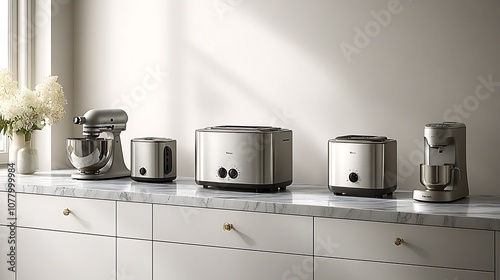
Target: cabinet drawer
[(421, 245), (134, 220), (47, 255), (497, 255), (86, 216), (3, 208), (5, 254), (190, 262), (259, 231), (134, 259), (329, 269)]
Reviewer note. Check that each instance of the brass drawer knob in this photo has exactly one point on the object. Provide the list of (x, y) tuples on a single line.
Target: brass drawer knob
[(227, 226), (399, 241), (66, 212)]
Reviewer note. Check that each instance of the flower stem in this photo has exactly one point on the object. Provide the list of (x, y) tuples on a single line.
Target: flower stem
[(27, 136)]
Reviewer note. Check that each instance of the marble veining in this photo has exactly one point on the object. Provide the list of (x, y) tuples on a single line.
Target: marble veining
[(474, 212)]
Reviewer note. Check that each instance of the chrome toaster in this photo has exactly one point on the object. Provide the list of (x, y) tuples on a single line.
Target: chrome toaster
[(153, 159), (362, 165), (244, 157)]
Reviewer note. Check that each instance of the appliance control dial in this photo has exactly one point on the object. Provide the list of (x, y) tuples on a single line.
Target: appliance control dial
[(353, 177), (233, 173), (222, 172), (142, 171)]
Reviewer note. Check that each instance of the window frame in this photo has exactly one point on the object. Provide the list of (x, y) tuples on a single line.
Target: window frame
[(12, 7)]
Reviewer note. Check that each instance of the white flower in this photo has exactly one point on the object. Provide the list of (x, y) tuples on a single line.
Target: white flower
[(27, 110), (53, 100), (8, 87)]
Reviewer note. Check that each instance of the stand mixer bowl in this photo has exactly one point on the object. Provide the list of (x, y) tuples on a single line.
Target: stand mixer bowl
[(436, 177), (89, 155)]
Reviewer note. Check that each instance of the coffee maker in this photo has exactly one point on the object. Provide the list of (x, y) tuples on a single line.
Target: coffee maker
[(444, 171)]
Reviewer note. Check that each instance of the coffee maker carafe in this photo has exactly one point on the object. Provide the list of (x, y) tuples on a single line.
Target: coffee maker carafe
[(444, 171)]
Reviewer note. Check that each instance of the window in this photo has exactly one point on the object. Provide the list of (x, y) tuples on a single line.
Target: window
[(4, 63)]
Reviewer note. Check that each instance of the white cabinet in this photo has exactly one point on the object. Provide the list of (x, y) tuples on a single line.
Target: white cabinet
[(497, 255), (134, 220), (195, 243), (247, 230), (66, 214), (45, 255), (3, 208), (7, 236), (65, 238), (341, 269), (193, 262), (5, 253), (134, 244), (134, 259), (355, 247)]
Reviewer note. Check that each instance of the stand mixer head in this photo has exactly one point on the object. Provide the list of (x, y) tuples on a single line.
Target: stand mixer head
[(444, 171), (99, 158)]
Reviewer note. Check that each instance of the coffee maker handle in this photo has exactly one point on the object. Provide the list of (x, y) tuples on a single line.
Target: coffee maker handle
[(454, 172)]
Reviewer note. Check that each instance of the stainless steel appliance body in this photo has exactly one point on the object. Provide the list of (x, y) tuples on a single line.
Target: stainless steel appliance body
[(244, 157), (444, 171), (153, 159), (361, 165), (98, 158), (89, 155)]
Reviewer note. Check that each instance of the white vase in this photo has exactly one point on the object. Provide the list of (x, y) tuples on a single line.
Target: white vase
[(18, 142), (27, 159), (22, 154)]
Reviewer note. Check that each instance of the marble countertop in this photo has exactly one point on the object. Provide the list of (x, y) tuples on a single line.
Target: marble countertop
[(474, 212)]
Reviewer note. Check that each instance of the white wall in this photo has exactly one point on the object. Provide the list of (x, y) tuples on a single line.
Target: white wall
[(53, 40), (179, 65), (62, 66)]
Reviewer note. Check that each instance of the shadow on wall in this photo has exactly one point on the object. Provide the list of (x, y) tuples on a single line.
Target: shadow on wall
[(284, 63), (222, 83)]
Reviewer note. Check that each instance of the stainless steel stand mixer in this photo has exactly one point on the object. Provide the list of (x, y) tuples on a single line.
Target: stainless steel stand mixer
[(99, 158), (444, 172)]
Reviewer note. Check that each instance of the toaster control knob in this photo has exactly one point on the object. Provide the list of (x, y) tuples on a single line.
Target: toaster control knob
[(222, 172), (353, 177), (233, 173), (142, 171)]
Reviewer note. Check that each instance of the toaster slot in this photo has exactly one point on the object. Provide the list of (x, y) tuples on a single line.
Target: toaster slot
[(240, 128), (167, 157)]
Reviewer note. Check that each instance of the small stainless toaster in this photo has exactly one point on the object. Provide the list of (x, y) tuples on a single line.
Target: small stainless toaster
[(153, 159), (362, 165)]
